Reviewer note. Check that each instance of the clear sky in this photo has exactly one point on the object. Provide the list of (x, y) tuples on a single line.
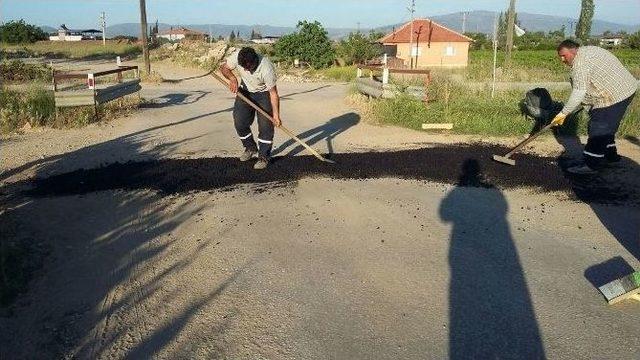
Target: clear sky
[(331, 13)]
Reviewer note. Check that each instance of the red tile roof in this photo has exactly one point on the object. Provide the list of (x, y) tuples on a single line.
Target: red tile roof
[(424, 30)]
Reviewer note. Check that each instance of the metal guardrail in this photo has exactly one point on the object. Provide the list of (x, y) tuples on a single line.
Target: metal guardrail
[(91, 93), (373, 87)]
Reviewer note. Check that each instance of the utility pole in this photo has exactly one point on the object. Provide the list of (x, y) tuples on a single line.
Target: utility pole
[(145, 43), (495, 54), (511, 19), (103, 24), (412, 9), (464, 22)]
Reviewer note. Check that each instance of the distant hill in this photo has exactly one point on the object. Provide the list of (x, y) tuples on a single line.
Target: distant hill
[(133, 29), (48, 29), (482, 21), (477, 21)]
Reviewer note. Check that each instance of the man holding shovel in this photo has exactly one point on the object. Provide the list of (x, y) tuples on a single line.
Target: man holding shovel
[(258, 83), (599, 80)]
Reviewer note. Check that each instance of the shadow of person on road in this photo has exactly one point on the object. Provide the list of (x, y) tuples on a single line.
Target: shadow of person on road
[(288, 96), (327, 131), (616, 182), (490, 311), (106, 255), (173, 99), (610, 192)]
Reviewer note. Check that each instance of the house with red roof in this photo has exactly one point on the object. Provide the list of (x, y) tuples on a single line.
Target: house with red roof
[(430, 45)]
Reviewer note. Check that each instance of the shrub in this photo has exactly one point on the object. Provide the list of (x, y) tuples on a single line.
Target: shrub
[(16, 70), (18, 32), (37, 108), (310, 43), (357, 48)]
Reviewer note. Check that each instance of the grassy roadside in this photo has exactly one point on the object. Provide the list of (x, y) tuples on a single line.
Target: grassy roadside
[(36, 108), (473, 111)]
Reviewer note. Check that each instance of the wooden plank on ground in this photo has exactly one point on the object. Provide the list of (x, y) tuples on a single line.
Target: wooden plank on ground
[(437, 126)]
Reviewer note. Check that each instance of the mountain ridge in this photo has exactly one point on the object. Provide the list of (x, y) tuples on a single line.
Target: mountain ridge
[(476, 21)]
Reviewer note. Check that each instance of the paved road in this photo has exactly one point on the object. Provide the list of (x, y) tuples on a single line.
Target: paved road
[(318, 268)]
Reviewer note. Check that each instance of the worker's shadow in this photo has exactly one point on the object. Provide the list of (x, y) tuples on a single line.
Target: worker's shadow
[(327, 131), (174, 99), (491, 315), (622, 221)]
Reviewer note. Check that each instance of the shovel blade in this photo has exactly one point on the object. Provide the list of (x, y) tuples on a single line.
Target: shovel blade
[(504, 160)]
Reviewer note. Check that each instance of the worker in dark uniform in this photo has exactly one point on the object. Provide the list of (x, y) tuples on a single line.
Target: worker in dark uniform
[(258, 83)]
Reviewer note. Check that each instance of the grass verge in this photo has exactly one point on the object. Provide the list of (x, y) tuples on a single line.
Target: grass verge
[(36, 107), (474, 111)]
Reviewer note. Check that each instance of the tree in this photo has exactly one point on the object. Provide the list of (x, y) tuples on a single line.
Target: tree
[(558, 34), (583, 29), (232, 36), (357, 48), (633, 40), (17, 32), (255, 35), (480, 41), (310, 43)]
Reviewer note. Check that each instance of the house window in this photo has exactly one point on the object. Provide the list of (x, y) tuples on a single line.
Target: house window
[(416, 51), (449, 50)]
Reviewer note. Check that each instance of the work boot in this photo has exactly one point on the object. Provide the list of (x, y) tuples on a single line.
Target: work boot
[(247, 155), (583, 169), (261, 164)]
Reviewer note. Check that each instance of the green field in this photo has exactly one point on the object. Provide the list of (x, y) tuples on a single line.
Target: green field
[(86, 49), (534, 65)]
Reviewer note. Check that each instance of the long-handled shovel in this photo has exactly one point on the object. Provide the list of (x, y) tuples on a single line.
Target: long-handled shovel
[(506, 159), (287, 131)]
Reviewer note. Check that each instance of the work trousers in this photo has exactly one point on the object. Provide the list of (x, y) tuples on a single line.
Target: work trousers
[(603, 125), (243, 116)]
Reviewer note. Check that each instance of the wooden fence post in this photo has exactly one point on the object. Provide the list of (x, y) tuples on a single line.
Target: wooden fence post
[(385, 75)]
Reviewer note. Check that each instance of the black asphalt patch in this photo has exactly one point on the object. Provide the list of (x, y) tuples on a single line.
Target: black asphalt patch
[(442, 164)]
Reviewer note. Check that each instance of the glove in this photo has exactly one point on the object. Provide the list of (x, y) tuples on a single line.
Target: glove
[(558, 120)]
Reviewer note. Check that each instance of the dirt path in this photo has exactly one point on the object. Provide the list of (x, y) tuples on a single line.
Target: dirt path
[(308, 265)]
